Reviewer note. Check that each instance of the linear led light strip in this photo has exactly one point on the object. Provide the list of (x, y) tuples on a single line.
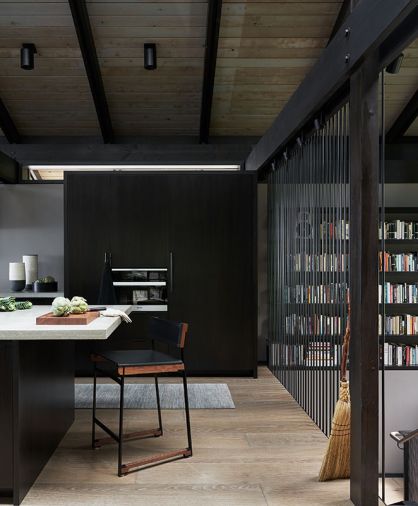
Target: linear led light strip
[(69, 168)]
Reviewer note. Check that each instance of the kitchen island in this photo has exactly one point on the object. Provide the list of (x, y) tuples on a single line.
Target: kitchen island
[(37, 392)]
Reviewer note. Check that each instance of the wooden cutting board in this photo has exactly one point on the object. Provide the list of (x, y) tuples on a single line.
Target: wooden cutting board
[(72, 319)]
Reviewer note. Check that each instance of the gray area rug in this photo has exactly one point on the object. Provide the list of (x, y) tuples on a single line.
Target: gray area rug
[(142, 396)]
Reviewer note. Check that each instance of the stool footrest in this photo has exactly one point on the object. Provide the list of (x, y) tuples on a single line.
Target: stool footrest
[(113, 437), (132, 466), (128, 437)]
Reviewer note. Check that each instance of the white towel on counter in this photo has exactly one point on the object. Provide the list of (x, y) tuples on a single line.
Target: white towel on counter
[(116, 312)]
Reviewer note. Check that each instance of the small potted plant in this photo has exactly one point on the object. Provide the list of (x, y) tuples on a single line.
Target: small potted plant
[(46, 284)]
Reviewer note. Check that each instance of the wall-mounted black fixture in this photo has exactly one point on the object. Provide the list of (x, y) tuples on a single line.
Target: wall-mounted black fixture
[(27, 53), (150, 56), (395, 66)]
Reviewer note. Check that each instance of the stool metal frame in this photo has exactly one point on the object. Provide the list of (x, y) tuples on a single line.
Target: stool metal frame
[(123, 364)]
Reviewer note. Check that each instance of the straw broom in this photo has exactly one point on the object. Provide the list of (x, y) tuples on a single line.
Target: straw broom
[(336, 463)]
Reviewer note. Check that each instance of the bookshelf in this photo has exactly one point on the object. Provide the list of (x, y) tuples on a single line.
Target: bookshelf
[(315, 295), (398, 293), (312, 308), (313, 300)]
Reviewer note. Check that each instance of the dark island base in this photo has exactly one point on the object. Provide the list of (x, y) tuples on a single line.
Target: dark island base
[(36, 410)]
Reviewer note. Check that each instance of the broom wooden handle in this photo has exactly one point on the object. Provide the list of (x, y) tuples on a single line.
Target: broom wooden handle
[(346, 346)]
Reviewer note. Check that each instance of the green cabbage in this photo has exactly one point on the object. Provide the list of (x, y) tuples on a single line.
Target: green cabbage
[(23, 304), (7, 304), (61, 306), (79, 305), (10, 304)]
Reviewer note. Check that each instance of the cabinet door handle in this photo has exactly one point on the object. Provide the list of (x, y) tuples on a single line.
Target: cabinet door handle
[(171, 272)]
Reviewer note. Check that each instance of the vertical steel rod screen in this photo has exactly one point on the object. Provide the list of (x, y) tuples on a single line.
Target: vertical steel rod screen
[(308, 246)]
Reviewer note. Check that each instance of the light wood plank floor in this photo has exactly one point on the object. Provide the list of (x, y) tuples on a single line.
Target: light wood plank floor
[(267, 451), (393, 489)]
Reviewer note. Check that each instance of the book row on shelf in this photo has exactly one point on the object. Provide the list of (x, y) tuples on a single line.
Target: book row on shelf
[(317, 294), (397, 355), (395, 229), (398, 293), (325, 325), (320, 355), (315, 354), (398, 262), (398, 325), (319, 262), (339, 229), (314, 325), (399, 229), (335, 293)]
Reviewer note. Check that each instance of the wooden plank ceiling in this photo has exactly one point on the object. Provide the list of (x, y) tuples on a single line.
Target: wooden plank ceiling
[(399, 88), (265, 50), (54, 98), (160, 102)]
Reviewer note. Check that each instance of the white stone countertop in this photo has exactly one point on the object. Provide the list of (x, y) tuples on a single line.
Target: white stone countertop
[(21, 325), (32, 295)]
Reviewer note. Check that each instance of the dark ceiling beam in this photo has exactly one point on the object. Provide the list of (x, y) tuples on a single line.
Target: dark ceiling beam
[(7, 125), (61, 151), (330, 74), (343, 13), (211, 51), (404, 120), (9, 169), (91, 63)]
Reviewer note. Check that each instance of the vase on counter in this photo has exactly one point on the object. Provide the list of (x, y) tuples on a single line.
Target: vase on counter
[(31, 270), (17, 276)]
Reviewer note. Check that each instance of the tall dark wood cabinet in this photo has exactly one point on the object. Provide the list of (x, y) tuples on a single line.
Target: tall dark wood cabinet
[(212, 240), (87, 217), (140, 214), (201, 227)]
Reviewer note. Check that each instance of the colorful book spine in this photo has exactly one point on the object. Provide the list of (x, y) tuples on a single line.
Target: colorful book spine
[(398, 262), (399, 229), (398, 293), (398, 325), (396, 355)]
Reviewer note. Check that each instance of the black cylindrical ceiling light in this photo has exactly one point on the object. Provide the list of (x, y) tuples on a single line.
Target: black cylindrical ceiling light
[(395, 66), (150, 56), (27, 53)]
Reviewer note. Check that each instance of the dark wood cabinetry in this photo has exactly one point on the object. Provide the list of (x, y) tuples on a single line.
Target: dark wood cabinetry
[(201, 227), (36, 410), (212, 243), (139, 220), (87, 217)]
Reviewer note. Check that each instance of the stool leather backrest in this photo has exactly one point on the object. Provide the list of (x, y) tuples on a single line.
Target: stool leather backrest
[(166, 331)]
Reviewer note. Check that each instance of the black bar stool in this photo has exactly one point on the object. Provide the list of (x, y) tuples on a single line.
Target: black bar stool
[(130, 363)]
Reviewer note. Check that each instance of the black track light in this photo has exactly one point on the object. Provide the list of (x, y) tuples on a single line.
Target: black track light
[(150, 56), (27, 53), (395, 66)]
